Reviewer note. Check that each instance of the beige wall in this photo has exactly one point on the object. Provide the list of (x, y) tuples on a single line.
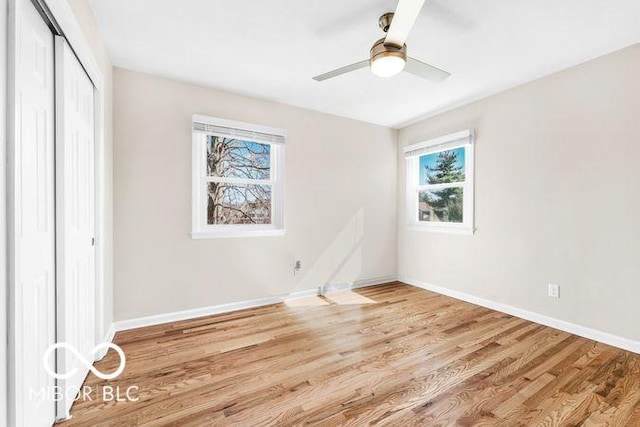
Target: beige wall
[(557, 174), (340, 197), (84, 15)]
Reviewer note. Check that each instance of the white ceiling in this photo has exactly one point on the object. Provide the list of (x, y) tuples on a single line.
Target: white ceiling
[(272, 48)]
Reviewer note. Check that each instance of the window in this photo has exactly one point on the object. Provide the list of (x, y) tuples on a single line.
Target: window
[(237, 179), (440, 183)]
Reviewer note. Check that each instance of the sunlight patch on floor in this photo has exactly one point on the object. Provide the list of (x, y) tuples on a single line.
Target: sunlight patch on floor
[(311, 301), (348, 298), (332, 298)]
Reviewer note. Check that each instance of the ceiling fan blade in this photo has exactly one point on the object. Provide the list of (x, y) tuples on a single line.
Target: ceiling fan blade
[(402, 22), (343, 70), (425, 71)]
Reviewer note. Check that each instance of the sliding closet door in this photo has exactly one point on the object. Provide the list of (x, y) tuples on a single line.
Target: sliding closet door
[(33, 226), (75, 218)]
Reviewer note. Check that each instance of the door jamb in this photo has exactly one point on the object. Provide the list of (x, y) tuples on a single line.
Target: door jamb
[(4, 391)]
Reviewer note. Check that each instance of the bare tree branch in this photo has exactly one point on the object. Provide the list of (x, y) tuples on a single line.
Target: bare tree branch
[(232, 204)]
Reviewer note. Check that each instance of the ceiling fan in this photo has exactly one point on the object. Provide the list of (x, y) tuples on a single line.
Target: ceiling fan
[(388, 56)]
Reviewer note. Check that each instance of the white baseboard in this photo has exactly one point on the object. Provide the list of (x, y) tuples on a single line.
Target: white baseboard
[(374, 282), (593, 334), (347, 286), (300, 294), (334, 287), (177, 316)]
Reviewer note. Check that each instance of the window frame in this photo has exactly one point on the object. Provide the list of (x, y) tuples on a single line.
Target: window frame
[(463, 139), (200, 229)]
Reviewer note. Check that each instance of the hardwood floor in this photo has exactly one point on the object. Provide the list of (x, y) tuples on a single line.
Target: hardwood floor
[(390, 354)]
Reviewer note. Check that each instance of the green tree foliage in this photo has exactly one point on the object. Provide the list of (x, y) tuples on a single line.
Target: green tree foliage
[(446, 169), (446, 203)]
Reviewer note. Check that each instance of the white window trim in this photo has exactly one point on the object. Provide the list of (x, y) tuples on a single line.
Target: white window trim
[(412, 154), (200, 229)]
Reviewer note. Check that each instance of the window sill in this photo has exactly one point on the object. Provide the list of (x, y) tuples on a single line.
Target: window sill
[(226, 234), (468, 231)]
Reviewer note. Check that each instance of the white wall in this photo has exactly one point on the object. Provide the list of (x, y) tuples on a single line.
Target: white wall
[(557, 174), (84, 15), (340, 202)]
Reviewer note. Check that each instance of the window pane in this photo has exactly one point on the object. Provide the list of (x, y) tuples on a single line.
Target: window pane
[(441, 205), (238, 204), (443, 167), (234, 158)]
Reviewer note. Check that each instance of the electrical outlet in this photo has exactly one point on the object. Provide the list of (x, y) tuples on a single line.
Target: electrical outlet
[(554, 290)]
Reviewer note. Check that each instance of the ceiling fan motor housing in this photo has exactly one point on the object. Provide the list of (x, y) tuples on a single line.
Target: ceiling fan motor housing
[(379, 50)]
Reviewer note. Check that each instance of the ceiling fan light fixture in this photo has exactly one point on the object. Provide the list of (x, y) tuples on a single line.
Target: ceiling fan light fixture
[(387, 66), (387, 60)]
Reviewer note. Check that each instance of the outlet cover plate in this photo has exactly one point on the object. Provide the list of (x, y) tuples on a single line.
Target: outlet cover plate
[(554, 290)]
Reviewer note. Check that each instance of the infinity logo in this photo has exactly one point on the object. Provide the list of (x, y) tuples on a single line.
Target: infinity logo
[(85, 362)]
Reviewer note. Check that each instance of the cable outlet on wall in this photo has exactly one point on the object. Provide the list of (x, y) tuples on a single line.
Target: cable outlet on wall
[(554, 290), (297, 267)]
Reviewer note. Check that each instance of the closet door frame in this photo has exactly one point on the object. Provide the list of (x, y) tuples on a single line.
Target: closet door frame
[(58, 15)]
